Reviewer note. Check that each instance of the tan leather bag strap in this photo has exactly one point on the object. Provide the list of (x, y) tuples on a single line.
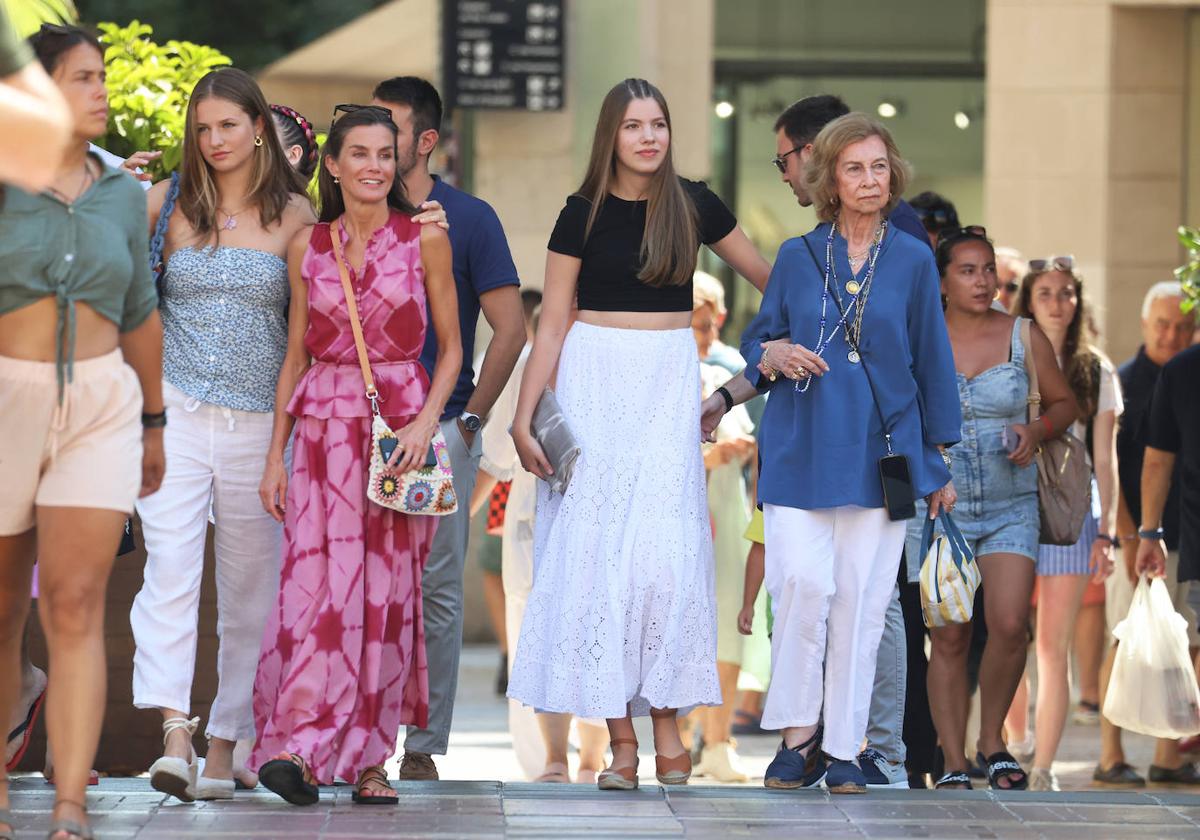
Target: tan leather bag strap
[(360, 343), (1035, 396)]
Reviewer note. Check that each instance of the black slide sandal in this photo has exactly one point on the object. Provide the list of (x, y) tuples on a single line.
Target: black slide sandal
[(1002, 765), (285, 777)]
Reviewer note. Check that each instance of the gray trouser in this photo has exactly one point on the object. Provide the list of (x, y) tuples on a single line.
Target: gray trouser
[(442, 597), (885, 724)]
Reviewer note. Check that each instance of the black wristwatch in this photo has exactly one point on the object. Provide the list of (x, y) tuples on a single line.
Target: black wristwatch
[(154, 421), (471, 422), (1150, 534), (1111, 539)]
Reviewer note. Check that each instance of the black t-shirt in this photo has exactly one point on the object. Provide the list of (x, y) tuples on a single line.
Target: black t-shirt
[(1138, 377), (611, 253), (1175, 427)]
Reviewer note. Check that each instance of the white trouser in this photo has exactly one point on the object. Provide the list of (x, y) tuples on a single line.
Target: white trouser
[(214, 456), (516, 571), (830, 574)]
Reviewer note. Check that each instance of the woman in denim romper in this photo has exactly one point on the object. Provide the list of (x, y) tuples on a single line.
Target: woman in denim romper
[(997, 508)]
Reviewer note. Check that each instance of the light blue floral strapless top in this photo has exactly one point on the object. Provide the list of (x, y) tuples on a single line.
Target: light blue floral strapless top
[(224, 313)]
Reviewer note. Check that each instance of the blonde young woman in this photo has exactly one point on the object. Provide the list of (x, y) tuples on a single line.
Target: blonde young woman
[(223, 298), (621, 618), (1052, 294)]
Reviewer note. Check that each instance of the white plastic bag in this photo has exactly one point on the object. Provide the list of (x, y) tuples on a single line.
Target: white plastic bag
[(1153, 687)]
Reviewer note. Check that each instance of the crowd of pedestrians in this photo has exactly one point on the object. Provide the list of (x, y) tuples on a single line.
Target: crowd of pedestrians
[(295, 365)]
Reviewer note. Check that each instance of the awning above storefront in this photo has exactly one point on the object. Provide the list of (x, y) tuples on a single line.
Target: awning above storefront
[(400, 38)]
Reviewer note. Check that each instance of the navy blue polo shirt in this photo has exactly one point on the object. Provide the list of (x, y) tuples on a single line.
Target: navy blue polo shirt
[(482, 262)]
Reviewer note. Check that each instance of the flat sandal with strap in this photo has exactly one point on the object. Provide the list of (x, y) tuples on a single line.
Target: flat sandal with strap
[(71, 827), (377, 776), (671, 771), (624, 778)]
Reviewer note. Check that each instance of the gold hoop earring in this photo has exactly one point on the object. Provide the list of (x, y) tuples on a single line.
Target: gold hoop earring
[(258, 140)]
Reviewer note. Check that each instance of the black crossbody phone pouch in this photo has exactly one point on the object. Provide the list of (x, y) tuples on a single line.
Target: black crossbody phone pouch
[(895, 477)]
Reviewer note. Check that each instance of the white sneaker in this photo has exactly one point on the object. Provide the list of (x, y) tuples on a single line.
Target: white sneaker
[(174, 776), (721, 763), (1040, 779)]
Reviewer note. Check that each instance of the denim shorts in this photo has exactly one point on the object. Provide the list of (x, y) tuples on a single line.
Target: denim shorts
[(991, 525)]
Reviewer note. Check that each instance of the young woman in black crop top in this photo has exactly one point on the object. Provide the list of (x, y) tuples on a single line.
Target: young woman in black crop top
[(621, 619)]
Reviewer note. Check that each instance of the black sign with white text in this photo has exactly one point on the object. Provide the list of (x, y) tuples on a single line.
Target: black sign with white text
[(503, 54)]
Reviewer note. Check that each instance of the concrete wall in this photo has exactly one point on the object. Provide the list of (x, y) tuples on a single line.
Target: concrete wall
[(526, 164), (1084, 143)]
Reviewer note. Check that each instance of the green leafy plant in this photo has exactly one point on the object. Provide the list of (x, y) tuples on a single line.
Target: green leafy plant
[(27, 16), (148, 89), (1188, 274)]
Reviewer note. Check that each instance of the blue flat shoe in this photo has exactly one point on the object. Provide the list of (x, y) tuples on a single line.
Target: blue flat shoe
[(790, 769), (845, 777)]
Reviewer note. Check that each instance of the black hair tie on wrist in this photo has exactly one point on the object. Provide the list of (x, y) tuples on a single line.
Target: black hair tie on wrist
[(154, 421), (728, 397)]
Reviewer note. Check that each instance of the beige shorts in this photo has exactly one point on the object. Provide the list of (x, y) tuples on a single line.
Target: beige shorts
[(83, 452), (1118, 596)]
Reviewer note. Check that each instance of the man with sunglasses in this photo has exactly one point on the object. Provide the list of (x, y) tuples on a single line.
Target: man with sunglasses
[(795, 131), (486, 279), (1010, 268)]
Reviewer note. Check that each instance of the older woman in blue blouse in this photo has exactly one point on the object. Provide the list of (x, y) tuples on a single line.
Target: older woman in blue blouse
[(832, 549)]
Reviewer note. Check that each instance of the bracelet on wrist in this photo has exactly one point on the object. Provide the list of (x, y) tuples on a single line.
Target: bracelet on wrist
[(1150, 534), (728, 397), (154, 421), (1111, 539)]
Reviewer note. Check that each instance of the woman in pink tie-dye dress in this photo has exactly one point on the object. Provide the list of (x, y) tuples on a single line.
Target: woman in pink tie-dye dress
[(342, 666)]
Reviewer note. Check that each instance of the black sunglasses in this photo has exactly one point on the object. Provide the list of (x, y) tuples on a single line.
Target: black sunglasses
[(947, 234), (780, 161), (350, 108)]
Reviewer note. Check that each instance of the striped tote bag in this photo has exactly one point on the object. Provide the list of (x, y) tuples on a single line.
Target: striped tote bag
[(949, 574)]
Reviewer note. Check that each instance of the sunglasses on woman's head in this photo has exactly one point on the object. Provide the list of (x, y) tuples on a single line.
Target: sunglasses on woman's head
[(1064, 263), (350, 108), (958, 232)]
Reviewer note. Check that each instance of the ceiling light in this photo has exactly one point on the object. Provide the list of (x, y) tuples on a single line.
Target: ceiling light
[(887, 110), (723, 109), (962, 120)]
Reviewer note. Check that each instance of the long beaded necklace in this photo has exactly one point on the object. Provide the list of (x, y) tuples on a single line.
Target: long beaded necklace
[(858, 299)]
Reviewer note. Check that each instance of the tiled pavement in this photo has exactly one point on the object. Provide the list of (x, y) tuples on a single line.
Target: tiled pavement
[(125, 808), (480, 748)]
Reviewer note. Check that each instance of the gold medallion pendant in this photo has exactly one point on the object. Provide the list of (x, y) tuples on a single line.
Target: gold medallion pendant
[(853, 357), (853, 287)]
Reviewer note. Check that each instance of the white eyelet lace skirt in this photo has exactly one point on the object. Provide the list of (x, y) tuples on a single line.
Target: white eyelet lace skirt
[(622, 609)]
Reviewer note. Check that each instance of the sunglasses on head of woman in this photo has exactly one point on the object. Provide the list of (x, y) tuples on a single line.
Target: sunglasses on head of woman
[(1063, 263), (350, 108), (947, 234)]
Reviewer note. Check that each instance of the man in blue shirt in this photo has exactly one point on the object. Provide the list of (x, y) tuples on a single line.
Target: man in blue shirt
[(486, 279)]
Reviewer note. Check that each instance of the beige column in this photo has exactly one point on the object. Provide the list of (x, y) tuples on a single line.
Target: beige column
[(1084, 148)]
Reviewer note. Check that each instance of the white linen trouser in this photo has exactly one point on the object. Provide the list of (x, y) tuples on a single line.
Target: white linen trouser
[(830, 574), (214, 455)]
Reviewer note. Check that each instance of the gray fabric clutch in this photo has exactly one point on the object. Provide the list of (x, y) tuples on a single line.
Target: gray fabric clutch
[(551, 431)]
